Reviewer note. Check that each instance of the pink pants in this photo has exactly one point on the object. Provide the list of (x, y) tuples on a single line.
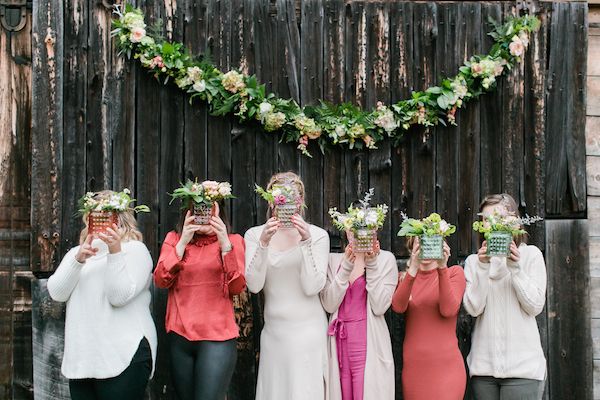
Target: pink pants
[(351, 342)]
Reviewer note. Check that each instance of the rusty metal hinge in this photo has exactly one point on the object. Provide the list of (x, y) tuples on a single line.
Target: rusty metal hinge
[(13, 14)]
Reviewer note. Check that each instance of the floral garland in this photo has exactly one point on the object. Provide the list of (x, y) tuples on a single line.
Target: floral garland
[(329, 124)]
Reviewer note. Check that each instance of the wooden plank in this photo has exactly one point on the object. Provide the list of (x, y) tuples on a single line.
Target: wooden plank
[(48, 320), (402, 83), (570, 347), (593, 60), (286, 74), (356, 163), (22, 383), (593, 175), (378, 89), (98, 150), (311, 91), (594, 257), (47, 133), (594, 215), (334, 22), (75, 102), (565, 176), (596, 338), (533, 199), (195, 114), (452, 36)]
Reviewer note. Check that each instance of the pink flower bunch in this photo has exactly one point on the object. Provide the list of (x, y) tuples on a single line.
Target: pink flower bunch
[(157, 62)]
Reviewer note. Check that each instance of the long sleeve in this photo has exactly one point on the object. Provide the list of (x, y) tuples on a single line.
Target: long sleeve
[(233, 267), (315, 255), (256, 260), (336, 284), (169, 263), (64, 280), (401, 296), (452, 287), (477, 275), (529, 281), (382, 279), (128, 273)]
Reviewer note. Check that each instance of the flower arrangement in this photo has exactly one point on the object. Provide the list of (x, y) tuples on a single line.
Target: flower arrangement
[(200, 197), (117, 202), (285, 201), (102, 212), (328, 124), (431, 232), (499, 229), (361, 222)]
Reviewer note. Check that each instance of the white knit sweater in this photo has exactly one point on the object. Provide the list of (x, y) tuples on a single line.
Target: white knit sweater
[(108, 314), (505, 297)]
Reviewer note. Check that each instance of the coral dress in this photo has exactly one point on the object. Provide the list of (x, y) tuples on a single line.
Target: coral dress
[(433, 367)]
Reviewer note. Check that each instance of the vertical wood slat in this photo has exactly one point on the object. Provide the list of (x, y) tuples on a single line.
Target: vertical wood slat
[(565, 133), (333, 90), (569, 348), (378, 89), (195, 113), (311, 91), (47, 133)]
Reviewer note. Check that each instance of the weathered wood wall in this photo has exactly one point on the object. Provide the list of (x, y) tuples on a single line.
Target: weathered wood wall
[(101, 122), (15, 178)]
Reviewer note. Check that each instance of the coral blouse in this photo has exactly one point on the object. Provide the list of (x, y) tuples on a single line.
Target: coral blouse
[(199, 305)]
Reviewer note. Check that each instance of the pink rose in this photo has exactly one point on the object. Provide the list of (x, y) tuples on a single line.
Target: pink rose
[(280, 200), (303, 140), (476, 69), (137, 34), (516, 47)]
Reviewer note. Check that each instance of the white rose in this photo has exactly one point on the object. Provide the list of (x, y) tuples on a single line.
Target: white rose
[(265, 107), (200, 86), (360, 215), (276, 192), (444, 226)]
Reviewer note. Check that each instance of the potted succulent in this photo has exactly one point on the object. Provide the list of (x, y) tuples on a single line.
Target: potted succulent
[(499, 229), (361, 223), (102, 211), (285, 202), (431, 232), (200, 198)]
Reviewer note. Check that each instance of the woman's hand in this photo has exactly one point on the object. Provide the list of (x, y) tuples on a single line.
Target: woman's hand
[(187, 233), (415, 262), (482, 253), (220, 230), (443, 263), (349, 254), (86, 250), (371, 256), (112, 238), (271, 226), (301, 226), (515, 254)]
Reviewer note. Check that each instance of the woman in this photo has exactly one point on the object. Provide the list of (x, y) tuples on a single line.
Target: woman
[(430, 294), (202, 266), (289, 266), (357, 294), (505, 294), (110, 338)]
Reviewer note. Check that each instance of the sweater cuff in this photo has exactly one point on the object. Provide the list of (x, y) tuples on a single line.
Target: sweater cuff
[(230, 263), (371, 262)]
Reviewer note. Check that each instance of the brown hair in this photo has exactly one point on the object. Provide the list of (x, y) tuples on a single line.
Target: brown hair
[(508, 202), (287, 178), (126, 222)]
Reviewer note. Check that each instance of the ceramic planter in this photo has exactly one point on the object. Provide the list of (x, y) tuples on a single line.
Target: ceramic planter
[(432, 247), (498, 244), (284, 213), (202, 213), (100, 221), (363, 240)]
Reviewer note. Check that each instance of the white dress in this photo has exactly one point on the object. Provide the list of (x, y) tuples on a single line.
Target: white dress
[(293, 342)]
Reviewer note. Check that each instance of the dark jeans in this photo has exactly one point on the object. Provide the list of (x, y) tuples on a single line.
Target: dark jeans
[(201, 369), (129, 385), (490, 388)]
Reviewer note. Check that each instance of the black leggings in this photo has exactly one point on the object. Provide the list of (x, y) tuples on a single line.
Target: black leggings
[(129, 385), (201, 369)]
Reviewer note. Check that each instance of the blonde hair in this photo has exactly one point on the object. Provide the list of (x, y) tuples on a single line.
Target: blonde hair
[(126, 221), (288, 178), (508, 202)]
